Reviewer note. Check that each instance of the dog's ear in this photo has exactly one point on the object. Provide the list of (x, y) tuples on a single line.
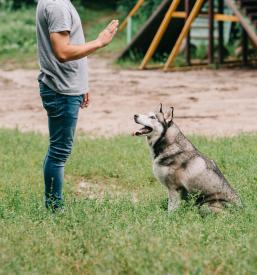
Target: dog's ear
[(161, 111), (168, 116)]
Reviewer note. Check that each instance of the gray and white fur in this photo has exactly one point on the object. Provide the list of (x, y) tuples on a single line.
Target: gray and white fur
[(179, 166)]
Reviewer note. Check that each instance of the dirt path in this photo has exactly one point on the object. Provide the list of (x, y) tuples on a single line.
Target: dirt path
[(222, 102)]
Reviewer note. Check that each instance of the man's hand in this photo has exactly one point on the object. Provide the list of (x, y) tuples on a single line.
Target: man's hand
[(106, 36), (86, 101)]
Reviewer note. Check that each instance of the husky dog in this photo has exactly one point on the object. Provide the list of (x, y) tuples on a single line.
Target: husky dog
[(179, 166)]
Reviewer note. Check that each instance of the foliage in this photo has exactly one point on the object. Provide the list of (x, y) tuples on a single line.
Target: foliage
[(99, 3), (129, 231), (148, 7), (11, 4), (16, 4)]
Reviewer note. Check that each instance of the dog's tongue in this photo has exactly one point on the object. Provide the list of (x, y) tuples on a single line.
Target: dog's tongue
[(141, 131), (137, 133)]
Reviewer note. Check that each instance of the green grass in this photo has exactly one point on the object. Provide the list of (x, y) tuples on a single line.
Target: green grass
[(116, 234), (17, 38)]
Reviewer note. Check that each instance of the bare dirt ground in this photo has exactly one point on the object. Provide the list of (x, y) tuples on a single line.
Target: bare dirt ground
[(208, 102)]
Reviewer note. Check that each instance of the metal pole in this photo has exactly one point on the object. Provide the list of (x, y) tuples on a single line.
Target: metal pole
[(188, 49), (221, 32), (211, 28), (245, 47)]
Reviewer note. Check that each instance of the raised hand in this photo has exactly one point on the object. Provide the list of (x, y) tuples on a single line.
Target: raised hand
[(106, 36)]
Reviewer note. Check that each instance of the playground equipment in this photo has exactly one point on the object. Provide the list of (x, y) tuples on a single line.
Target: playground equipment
[(170, 24)]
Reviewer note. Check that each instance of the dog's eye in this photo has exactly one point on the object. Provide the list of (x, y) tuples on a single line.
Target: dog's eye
[(152, 117)]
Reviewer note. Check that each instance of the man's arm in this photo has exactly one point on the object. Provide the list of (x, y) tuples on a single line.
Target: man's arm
[(64, 51)]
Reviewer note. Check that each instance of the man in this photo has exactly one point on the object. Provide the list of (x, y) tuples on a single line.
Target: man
[(63, 82)]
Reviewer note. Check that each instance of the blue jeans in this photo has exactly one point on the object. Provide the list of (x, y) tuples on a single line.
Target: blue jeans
[(62, 111)]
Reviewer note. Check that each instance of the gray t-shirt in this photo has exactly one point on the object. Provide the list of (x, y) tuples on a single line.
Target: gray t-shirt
[(70, 77)]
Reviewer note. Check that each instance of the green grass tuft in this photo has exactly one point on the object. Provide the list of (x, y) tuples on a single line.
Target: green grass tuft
[(117, 234)]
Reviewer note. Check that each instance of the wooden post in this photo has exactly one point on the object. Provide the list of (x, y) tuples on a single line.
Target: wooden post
[(244, 47), (188, 48), (131, 13), (221, 32), (184, 32), (157, 38), (211, 29)]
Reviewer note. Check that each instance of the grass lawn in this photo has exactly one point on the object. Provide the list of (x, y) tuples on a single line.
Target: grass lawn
[(128, 229)]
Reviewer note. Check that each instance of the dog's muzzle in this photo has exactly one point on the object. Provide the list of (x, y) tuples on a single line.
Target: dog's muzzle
[(143, 131)]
